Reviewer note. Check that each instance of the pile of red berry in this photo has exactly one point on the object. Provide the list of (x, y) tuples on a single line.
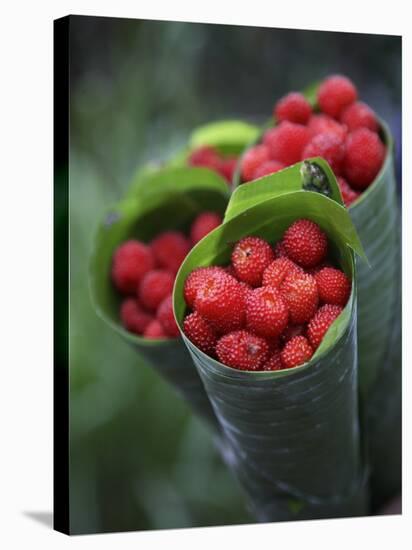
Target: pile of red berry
[(209, 157), (271, 307), (145, 273), (345, 133)]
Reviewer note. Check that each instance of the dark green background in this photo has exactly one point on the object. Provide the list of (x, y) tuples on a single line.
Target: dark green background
[(138, 459)]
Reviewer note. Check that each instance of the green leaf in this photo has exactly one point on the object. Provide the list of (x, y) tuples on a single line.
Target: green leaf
[(228, 136), (171, 199), (294, 433)]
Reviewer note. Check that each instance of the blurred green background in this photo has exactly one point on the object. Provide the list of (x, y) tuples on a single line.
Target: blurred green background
[(138, 458)]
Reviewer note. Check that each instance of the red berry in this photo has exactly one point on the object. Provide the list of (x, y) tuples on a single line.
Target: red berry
[(267, 168), (194, 280), (328, 145), (133, 317), (286, 142), (252, 159), (296, 352), (200, 333), (364, 157), (359, 115), (274, 362), (227, 168), (154, 287), (266, 312), (131, 261), (166, 317), (317, 268), (320, 123), (280, 251), (291, 331), (320, 323), (333, 286), (305, 243), (204, 224), (276, 272), (335, 93), (349, 195), (205, 156), (221, 301), (170, 249), (154, 330), (250, 257), (293, 107), (300, 292), (242, 350)]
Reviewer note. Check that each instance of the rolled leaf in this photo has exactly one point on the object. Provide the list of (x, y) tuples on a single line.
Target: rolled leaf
[(171, 200), (294, 433)]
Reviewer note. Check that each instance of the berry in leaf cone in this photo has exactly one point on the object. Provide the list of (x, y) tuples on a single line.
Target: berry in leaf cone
[(242, 350)]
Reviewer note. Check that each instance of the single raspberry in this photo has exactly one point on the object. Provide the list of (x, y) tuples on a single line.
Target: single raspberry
[(328, 145), (280, 251), (293, 107), (227, 168), (320, 123), (266, 312), (131, 261), (320, 323), (317, 268), (204, 224), (200, 333), (242, 350), (359, 115), (276, 271), (335, 93), (195, 279), (286, 142), (349, 195), (296, 352), (267, 168), (154, 330), (205, 156), (274, 362), (250, 257), (305, 243), (333, 286), (133, 317), (364, 157), (221, 301), (166, 317), (300, 292), (252, 159), (170, 249), (291, 331), (154, 287)]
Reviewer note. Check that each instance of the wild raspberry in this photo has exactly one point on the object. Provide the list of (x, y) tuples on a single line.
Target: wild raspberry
[(359, 115), (286, 142), (154, 287), (252, 159), (330, 147), (317, 268), (300, 292), (131, 261), (320, 123), (194, 280), (242, 350), (166, 317), (333, 286), (170, 249), (293, 107), (250, 257), (274, 362), (291, 331), (335, 93), (276, 272), (364, 157), (204, 224), (320, 323), (349, 195), (221, 301), (133, 317), (305, 243), (227, 168), (296, 352), (200, 333), (266, 312), (267, 168), (154, 330), (205, 156)]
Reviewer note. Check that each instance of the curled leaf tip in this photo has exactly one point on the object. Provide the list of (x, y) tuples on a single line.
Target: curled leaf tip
[(315, 179)]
